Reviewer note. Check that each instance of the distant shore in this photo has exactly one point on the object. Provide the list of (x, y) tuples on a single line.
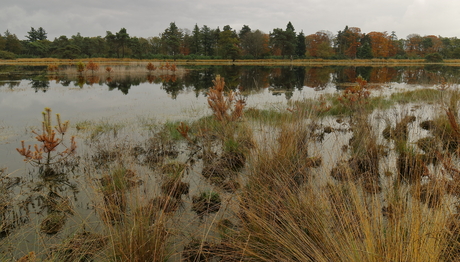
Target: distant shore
[(266, 62)]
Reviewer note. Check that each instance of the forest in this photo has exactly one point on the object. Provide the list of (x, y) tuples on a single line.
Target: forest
[(228, 43)]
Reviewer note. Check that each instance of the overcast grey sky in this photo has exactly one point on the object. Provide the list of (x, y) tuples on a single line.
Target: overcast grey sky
[(146, 18)]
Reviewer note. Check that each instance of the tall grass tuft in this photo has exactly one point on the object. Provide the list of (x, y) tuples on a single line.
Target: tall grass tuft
[(226, 107)]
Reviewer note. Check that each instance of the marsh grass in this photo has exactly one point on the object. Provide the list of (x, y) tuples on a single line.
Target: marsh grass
[(285, 208), (268, 116), (339, 221), (95, 129), (421, 95)]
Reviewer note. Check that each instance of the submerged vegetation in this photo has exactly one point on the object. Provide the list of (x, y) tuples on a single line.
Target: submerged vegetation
[(354, 175)]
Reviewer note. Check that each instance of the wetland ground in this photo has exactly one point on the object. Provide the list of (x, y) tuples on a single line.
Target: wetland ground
[(229, 163)]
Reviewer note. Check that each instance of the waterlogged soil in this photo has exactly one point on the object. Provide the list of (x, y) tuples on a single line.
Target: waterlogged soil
[(116, 121)]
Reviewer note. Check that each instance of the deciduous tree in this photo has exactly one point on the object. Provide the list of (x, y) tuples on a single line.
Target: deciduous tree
[(255, 44), (348, 41), (320, 44), (380, 43), (12, 43), (414, 45)]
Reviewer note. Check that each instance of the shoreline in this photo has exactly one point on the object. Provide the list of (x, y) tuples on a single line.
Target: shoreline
[(259, 62)]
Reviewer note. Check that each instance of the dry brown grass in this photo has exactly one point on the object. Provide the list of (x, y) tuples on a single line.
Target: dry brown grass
[(284, 220)]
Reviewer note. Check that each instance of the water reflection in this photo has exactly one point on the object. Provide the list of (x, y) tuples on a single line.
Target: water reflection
[(40, 85), (280, 80)]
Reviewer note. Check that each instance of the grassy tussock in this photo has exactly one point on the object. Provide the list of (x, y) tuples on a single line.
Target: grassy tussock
[(338, 221)]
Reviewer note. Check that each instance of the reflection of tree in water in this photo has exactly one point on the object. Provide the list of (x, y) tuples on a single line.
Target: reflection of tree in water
[(199, 80), (383, 75), (10, 84), (344, 74), (80, 81), (231, 75), (286, 80), (91, 80), (65, 82), (424, 75), (318, 77), (42, 85), (172, 86), (282, 80), (254, 78), (124, 85)]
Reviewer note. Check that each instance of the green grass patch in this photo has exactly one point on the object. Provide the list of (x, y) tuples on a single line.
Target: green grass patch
[(421, 95), (171, 129), (98, 128), (267, 116)]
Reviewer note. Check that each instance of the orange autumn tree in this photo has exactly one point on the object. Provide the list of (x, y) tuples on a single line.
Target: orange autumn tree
[(92, 66), (348, 41), (431, 44), (319, 44), (51, 139), (226, 107), (380, 44), (414, 45)]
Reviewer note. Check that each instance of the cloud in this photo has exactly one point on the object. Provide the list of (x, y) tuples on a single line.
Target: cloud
[(146, 18)]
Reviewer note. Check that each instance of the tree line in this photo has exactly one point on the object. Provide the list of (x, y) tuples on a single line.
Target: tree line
[(227, 43)]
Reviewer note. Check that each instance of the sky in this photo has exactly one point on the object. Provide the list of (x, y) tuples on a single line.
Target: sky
[(147, 18)]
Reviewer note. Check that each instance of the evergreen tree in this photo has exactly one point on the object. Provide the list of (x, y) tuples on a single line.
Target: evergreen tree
[(171, 40), (122, 40), (291, 41), (285, 41), (206, 37), (215, 40), (244, 30), (111, 41), (228, 43), (36, 35), (2, 42), (365, 50), (301, 46), (195, 47)]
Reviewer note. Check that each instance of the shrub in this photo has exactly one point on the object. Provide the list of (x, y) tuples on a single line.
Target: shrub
[(92, 66), (7, 55), (433, 58)]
